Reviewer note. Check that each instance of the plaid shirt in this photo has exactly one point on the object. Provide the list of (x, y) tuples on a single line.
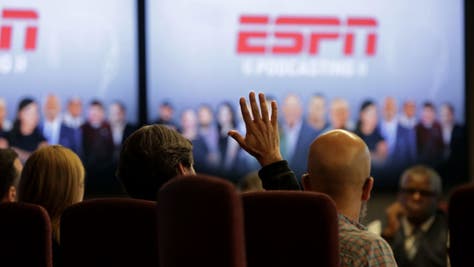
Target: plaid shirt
[(359, 247)]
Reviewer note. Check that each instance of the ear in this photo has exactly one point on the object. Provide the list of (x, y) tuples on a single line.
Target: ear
[(367, 188), (11, 194), (306, 182), (182, 170)]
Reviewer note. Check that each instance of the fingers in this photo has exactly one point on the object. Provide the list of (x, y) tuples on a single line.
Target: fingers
[(254, 106), (274, 118), (246, 114), (263, 107)]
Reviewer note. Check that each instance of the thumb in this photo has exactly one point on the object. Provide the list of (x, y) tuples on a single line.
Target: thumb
[(237, 137)]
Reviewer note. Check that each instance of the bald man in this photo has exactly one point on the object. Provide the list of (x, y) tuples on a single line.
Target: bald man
[(338, 165), (55, 131)]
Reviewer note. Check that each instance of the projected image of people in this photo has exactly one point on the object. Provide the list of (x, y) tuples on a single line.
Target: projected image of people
[(25, 136)]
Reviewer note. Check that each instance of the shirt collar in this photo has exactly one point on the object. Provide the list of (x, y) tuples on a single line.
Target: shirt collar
[(351, 222), (408, 228)]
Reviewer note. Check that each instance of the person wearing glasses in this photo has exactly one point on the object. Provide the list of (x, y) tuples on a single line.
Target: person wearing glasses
[(417, 229)]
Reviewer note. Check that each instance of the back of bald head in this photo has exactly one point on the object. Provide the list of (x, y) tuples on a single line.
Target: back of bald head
[(338, 163)]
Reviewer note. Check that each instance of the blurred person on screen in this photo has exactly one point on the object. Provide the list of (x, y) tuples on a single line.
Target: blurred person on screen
[(208, 130), (317, 113), (401, 141), (296, 134), (228, 148), (10, 171), (408, 117), (166, 115), (189, 129), (73, 116), (5, 124), (339, 115), (429, 136), (455, 153), (26, 136), (453, 133), (121, 129), (416, 228), (98, 148), (367, 128), (53, 128)]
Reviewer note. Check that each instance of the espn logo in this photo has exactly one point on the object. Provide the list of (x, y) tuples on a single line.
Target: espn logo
[(288, 39), (9, 16)]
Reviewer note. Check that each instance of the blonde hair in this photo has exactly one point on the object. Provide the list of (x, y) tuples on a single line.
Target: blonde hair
[(53, 177)]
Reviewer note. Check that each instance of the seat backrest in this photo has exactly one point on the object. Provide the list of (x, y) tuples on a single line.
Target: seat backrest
[(461, 221), (290, 228), (25, 235), (200, 223), (109, 232)]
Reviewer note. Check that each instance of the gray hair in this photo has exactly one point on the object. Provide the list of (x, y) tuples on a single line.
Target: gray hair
[(435, 179)]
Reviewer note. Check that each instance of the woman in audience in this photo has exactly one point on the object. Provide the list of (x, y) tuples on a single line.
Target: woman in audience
[(369, 131), (25, 136), (53, 177)]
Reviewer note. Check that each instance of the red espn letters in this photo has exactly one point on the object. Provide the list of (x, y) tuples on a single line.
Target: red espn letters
[(246, 39), (7, 30)]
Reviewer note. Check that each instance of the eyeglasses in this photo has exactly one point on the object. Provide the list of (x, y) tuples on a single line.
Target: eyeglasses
[(423, 193)]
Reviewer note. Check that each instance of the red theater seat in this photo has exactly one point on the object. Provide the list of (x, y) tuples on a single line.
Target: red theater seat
[(200, 223), (290, 228), (110, 232), (461, 226), (25, 235)]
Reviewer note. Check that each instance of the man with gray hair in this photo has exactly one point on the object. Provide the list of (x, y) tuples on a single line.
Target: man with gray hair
[(416, 229)]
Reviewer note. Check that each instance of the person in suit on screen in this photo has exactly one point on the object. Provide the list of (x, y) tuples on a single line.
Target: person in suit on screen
[(296, 134), (53, 128)]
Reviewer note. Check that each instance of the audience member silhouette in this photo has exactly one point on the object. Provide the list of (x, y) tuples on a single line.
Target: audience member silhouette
[(338, 165), (10, 171), (53, 177), (150, 157)]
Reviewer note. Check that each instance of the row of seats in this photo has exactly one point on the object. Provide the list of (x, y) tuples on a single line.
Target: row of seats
[(198, 221)]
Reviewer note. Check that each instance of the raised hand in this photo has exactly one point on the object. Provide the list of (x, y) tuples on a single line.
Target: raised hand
[(261, 139)]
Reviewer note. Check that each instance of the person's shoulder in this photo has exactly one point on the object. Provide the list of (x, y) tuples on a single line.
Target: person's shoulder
[(366, 248)]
